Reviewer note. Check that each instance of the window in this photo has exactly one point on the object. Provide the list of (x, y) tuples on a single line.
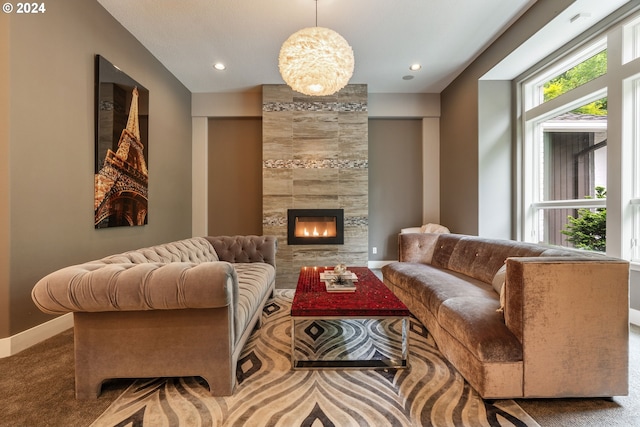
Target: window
[(578, 75), (567, 153), (566, 74), (634, 95), (631, 135), (631, 40), (572, 165), (580, 158)]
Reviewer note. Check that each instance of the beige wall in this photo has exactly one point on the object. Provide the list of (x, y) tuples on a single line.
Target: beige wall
[(395, 183), (4, 176), (235, 176), (459, 163), (51, 148)]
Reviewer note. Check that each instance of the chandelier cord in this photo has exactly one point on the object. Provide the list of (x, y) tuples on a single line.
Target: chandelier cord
[(316, 13)]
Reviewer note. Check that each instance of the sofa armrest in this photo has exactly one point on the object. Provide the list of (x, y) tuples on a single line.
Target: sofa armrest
[(96, 287), (245, 248), (572, 317), (416, 247)]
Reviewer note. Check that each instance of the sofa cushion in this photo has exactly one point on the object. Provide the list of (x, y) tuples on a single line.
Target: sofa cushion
[(241, 249), (475, 323), (417, 247), (431, 286), (194, 250), (95, 287), (443, 249), (254, 281), (481, 258)]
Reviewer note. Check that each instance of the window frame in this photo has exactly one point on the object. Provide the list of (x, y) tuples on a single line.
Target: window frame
[(621, 85), (535, 113)]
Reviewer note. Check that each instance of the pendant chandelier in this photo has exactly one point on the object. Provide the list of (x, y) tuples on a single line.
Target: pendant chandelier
[(316, 61)]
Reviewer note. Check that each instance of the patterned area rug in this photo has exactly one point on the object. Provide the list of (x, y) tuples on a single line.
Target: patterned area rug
[(270, 393)]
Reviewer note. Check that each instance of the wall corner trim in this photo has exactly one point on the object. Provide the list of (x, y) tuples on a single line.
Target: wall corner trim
[(634, 316), (23, 340)]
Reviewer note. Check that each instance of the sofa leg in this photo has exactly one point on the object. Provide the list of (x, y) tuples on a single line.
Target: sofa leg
[(221, 383), (88, 388)]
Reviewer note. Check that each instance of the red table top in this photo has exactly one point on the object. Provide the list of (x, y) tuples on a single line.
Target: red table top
[(370, 299)]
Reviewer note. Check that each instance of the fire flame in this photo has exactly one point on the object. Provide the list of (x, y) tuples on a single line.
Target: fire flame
[(315, 232)]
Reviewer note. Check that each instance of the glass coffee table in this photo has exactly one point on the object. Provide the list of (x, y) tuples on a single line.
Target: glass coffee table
[(371, 300)]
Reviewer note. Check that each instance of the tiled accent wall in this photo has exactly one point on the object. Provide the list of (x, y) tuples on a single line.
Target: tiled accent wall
[(315, 155)]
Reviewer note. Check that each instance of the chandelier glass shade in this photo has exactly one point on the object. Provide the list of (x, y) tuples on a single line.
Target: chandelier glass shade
[(316, 61)]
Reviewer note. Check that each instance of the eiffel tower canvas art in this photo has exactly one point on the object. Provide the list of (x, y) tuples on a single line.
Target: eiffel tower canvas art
[(121, 178)]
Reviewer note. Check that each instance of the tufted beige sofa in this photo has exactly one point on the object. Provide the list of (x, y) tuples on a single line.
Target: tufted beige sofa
[(184, 308), (564, 327)]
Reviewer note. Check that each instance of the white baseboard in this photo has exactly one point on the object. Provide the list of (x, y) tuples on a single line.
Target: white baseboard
[(378, 264), (634, 316), (23, 340)]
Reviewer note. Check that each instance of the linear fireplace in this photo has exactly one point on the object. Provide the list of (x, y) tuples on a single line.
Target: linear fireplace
[(315, 226)]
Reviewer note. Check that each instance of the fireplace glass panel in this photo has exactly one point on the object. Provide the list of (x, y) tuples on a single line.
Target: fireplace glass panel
[(315, 226)]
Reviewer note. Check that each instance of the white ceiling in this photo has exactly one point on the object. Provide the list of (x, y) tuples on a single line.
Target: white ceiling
[(574, 20), (189, 36)]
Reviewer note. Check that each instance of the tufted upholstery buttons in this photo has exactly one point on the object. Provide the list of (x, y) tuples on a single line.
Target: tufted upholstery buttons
[(245, 249)]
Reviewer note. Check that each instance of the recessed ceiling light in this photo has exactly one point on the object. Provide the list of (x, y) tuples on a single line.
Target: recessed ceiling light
[(415, 67), (407, 77), (219, 66)]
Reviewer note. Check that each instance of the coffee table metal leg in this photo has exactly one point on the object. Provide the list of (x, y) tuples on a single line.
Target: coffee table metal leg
[(293, 342), (405, 340)]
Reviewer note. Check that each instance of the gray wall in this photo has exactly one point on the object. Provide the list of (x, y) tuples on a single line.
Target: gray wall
[(495, 185), (460, 179), (235, 181), (50, 148), (5, 254), (395, 182)]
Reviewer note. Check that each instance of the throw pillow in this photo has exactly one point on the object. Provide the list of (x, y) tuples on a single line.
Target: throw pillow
[(498, 279), (502, 298), (434, 228)]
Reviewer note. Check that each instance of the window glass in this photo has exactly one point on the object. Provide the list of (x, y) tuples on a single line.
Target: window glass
[(573, 154), (571, 166), (578, 75), (635, 169), (631, 33), (635, 143), (635, 244)]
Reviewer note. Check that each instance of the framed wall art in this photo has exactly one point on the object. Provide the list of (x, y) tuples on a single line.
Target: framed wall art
[(121, 148)]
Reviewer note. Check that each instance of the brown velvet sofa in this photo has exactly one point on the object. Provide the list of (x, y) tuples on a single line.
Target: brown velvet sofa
[(184, 308), (564, 326)]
